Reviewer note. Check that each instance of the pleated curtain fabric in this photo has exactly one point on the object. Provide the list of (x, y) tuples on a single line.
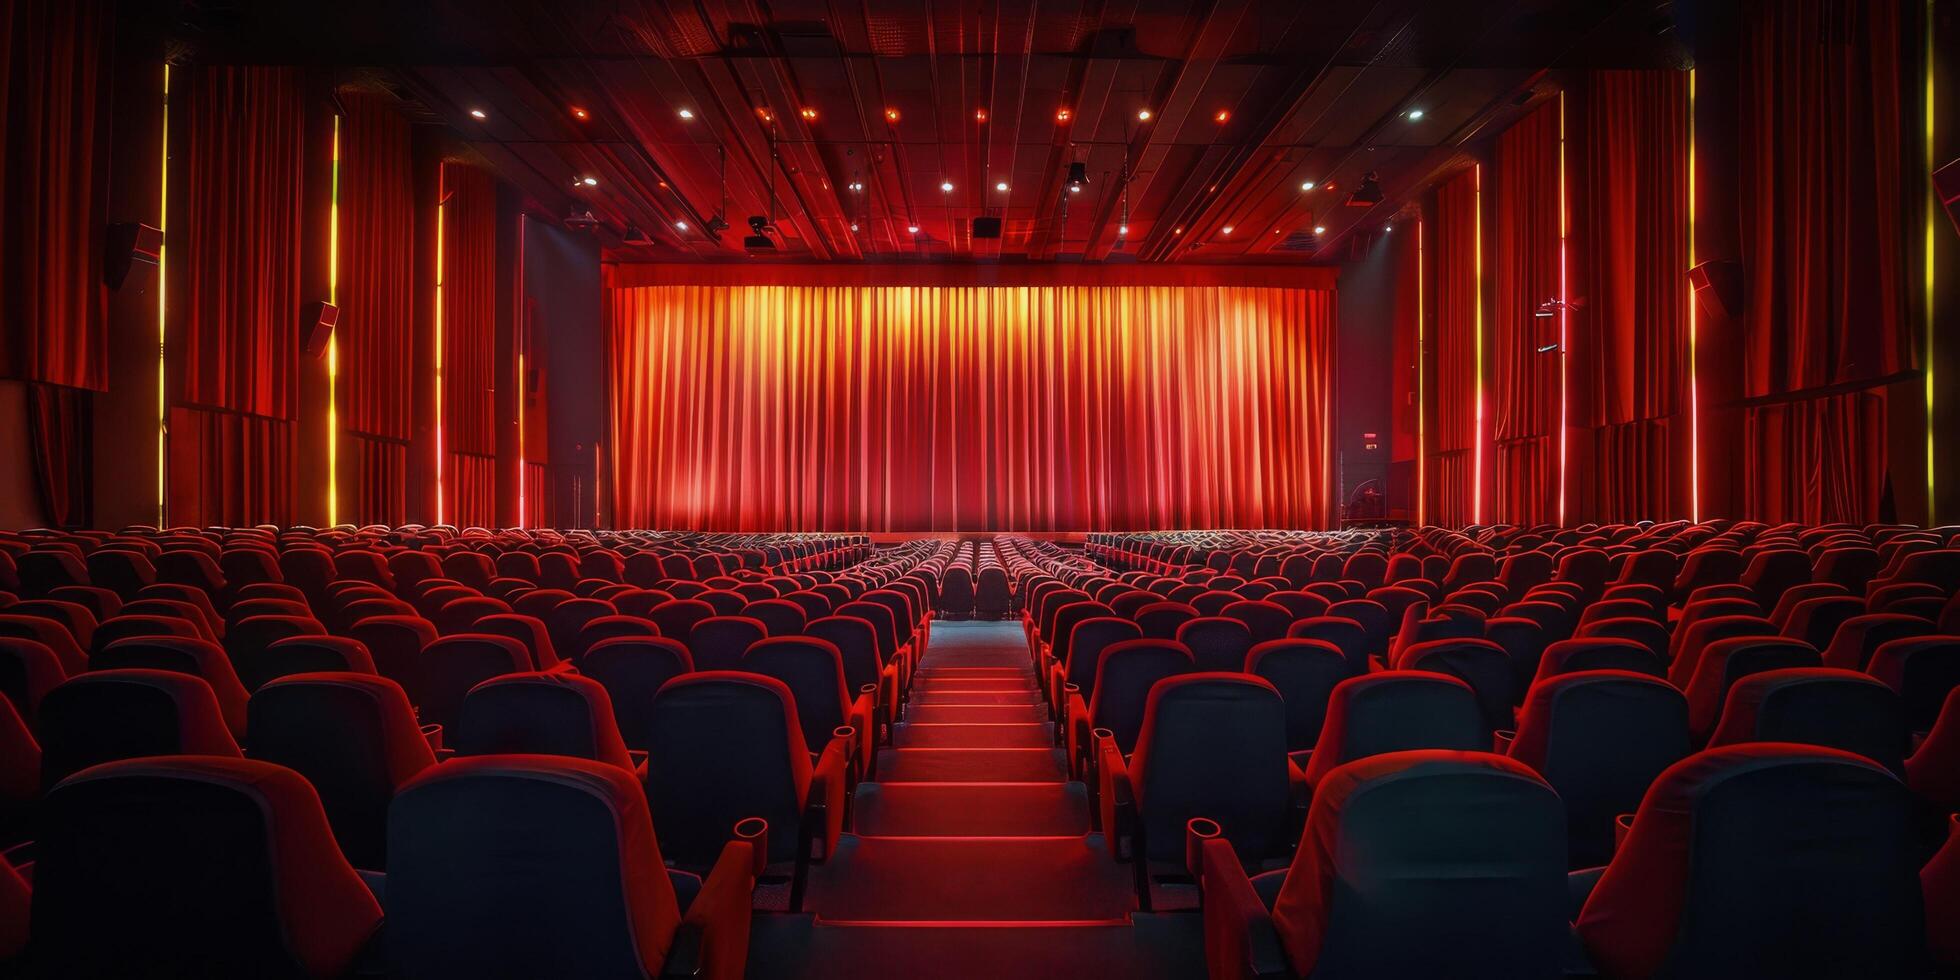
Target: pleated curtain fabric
[(375, 335), (1525, 262), (1451, 382), (911, 408), (469, 296)]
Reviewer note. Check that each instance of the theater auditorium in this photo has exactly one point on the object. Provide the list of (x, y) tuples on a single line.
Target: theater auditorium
[(976, 489)]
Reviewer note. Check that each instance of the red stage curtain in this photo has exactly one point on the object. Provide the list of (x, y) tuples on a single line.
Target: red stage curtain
[(1630, 362), (377, 298), (469, 325), (1451, 374), (1526, 267), (236, 342), (901, 408), (53, 325), (60, 422), (1826, 210)]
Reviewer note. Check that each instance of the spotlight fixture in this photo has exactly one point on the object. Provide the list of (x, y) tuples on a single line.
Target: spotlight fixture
[(1415, 114), (759, 240), (913, 229), (1306, 185), (680, 226), (1063, 115), (634, 236), (762, 112), (1122, 230), (717, 225), (1320, 229), (1143, 115), (854, 226), (687, 115), (891, 115), (589, 181), (809, 114), (1387, 228), (1222, 116), (479, 113), (980, 115), (1227, 229), (1075, 188), (580, 114), (1078, 175), (1178, 230), (1368, 193), (945, 186), (1001, 186), (857, 187)]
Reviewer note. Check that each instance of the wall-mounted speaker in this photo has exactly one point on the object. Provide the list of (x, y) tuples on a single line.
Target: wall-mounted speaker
[(986, 227), (316, 322), (128, 244), (1946, 183), (1718, 288)]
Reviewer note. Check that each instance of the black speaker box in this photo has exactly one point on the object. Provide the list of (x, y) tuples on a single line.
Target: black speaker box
[(986, 227), (316, 322)]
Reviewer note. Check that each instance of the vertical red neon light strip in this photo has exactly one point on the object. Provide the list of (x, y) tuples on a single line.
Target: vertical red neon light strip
[(523, 324), (1564, 312), (1477, 452), (1422, 449), (442, 203)]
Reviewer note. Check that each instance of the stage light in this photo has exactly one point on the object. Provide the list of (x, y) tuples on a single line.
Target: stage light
[(1143, 115), (1178, 230), (891, 115), (1227, 229), (687, 114), (763, 113), (1415, 114), (809, 114), (479, 113), (1368, 193), (1320, 229), (913, 229), (1075, 188), (1222, 116), (946, 186), (1122, 230), (580, 114), (854, 226), (680, 225), (1387, 228), (1001, 186), (857, 187), (1063, 115), (1307, 185), (979, 115), (589, 181)]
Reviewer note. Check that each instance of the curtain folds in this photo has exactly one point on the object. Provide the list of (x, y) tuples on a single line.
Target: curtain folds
[(1630, 364), (469, 297), (229, 469), (53, 320), (61, 433), (1526, 270), (901, 408), (377, 299), (1451, 376)]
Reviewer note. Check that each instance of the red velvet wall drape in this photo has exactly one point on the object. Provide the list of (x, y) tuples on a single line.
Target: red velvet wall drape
[(1826, 211), (469, 295), (899, 408), (1630, 342), (61, 436), (377, 314), (236, 343), (1525, 266), (53, 326), (1451, 384)]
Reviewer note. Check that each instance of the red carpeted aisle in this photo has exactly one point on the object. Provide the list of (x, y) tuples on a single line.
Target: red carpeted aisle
[(972, 856)]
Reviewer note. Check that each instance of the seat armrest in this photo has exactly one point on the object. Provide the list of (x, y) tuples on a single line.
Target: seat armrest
[(1240, 941), (1502, 740), (829, 789), (639, 759), (713, 941), (1579, 887), (433, 735), (1078, 735), (1622, 825), (1116, 796)]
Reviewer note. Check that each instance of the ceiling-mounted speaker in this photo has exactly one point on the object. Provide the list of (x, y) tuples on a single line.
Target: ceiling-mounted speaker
[(128, 244), (1946, 183), (316, 327), (986, 227), (1718, 288)]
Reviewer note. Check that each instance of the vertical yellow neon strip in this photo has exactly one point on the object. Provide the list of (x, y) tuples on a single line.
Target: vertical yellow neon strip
[(1477, 454), (1422, 449), (522, 389), (333, 341), (163, 281), (1694, 318), (1932, 235), (442, 204), (1564, 312)]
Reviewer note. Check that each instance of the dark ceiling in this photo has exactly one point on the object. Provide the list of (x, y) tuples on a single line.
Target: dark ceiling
[(1248, 99)]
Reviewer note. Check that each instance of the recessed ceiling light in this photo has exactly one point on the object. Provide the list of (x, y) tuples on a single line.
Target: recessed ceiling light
[(809, 114), (1063, 115), (479, 113), (1320, 229), (1275, 231), (1178, 230), (764, 113), (1228, 229), (914, 229), (1122, 230), (687, 113), (589, 181), (1001, 186), (580, 114), (979, 115), (1075, 188), (1222, 116), (680, 225), (945, 185), (1387, 228), (1415, 114), (1143, 115), (854, 226), (891, 115), (857, 187), (1307, 185)]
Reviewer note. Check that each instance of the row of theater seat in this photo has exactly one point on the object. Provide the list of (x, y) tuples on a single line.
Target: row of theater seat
[(559, 695), (1257, 705)]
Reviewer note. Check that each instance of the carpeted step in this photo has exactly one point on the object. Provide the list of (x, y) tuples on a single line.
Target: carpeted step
[(970, 765), (1157, 947), (928, 879), (974, 714), (1029, 696), (971, 810), (945, 685), (1013, 735)]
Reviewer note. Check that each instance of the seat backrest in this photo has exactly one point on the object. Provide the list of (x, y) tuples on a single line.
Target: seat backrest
[(567, 618), (1383, 860), (779, 617), (1265, 620), (459, 615), (539, 713), (857, 645), (524, 865), (1726, 661), (633, 668), (677, 617), (1599, 653), (1393, 711), (724, 746), (354, 737), (1350, 637), (1477, 662), (1217, 643), (1213, 745), (28, 671), (1160, 620), (1921, 670), (1124, 676), (194, 867), (454, 664), (1600, 737), (1304, 673), (125, 714), (1087, 641), (718, 642), (184, 655), (1734, 844), (1692, 642), (1840, 709), (813, 670)]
